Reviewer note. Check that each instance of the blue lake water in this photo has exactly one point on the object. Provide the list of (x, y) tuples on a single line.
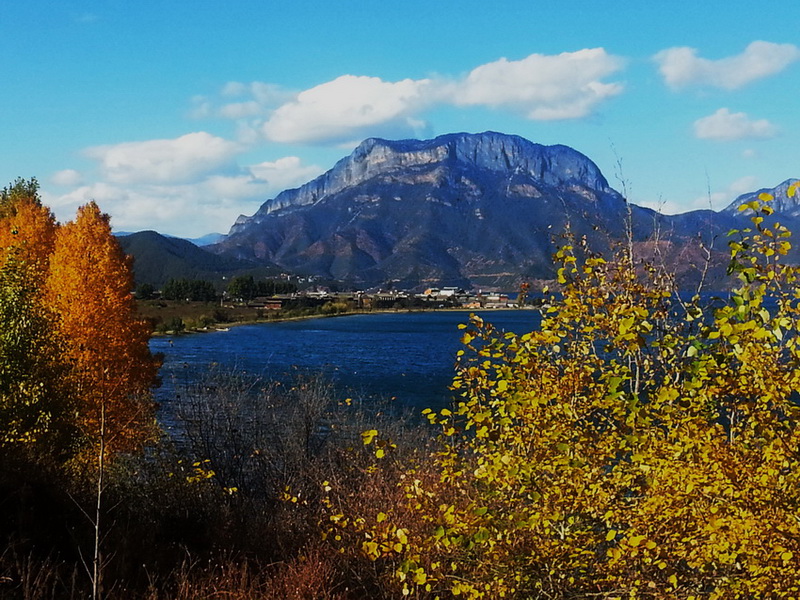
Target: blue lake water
[(408, 356)]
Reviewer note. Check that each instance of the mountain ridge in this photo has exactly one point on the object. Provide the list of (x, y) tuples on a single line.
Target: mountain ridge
[(461, 209), (473, 210), (375, 157)]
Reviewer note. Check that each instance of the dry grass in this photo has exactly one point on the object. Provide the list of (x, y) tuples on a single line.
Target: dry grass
[(232, 535)]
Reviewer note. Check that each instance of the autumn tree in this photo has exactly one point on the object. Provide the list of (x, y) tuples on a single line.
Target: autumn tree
[(35, 399), (637, 444), (27, 229), (89, 286), (73, 355)]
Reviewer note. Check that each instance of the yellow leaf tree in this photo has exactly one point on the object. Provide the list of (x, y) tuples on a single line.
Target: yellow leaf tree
[(89, 286), (637, 444), (34, 396)]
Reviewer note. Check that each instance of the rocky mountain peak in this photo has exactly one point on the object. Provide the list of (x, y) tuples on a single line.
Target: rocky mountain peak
[(552, 165), (495, 152), (783, 205)]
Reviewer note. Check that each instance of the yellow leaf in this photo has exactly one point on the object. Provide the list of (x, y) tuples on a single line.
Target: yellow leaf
[(635, 540), (401, 535)]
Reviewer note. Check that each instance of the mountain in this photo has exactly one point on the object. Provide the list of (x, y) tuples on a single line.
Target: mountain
[(159, 258), (473, 210), (781, 203), (207, 239)]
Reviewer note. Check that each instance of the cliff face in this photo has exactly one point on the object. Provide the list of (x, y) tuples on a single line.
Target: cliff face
[(474, 210), (493, 152)]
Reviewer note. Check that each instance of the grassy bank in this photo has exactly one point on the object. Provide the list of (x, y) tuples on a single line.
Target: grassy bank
[(170, 317), (180, 317)]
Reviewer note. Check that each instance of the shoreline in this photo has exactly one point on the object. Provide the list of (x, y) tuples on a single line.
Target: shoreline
[(222, 327)]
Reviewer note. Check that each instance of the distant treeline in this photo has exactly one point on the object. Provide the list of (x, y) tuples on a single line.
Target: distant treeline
[(243, 288)]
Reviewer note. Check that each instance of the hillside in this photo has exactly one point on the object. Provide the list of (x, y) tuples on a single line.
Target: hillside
[(159, 258)]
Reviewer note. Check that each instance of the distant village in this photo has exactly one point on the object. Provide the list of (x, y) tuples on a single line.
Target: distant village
[(444, 297), (245, 297)]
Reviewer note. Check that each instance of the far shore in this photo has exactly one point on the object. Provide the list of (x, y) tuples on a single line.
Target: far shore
[(222, 327)]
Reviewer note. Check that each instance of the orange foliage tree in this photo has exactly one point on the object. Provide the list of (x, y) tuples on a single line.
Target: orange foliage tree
[(27, 229), (34, 399), (89, 286)]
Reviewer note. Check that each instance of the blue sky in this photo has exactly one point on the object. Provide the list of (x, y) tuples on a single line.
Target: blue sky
[(179, 116)]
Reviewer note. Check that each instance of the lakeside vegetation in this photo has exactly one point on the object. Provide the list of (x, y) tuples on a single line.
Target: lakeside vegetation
[(636, 445), (171, 317), (174, 316)]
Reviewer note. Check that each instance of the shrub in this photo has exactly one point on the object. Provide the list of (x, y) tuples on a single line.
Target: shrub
[(637, 444)]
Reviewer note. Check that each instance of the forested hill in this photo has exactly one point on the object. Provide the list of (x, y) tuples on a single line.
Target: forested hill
[(158, 258)]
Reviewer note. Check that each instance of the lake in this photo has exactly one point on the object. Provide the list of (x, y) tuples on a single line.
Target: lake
[(408, 356)]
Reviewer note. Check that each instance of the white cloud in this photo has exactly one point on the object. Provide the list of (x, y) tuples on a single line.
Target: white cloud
[(210, 203), (563, 86), (715, 200), (258, 99), (721, 198), (681, 66), (186, 210), (164, 161), (270, 95), (67, 178), (241, 110), (285, 172), (202, 108), (665, 207), (724, 125), (234, 88), (175, 210), (339, 109)]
